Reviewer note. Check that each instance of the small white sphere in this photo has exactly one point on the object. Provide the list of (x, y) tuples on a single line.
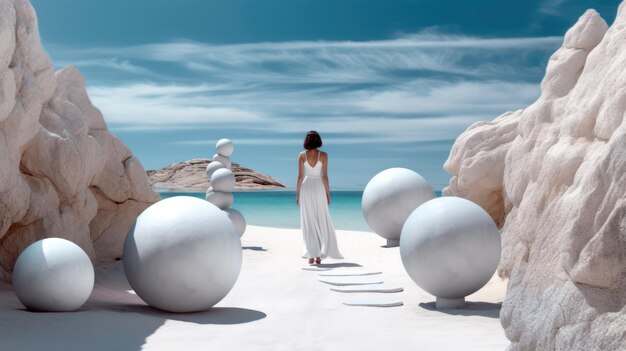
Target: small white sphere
[(212, 167), (223, 160), (225, 147), (223, 179), (238, 220), (53, 275), (450, 247), (390, 197), (219, 198), (182, 255)]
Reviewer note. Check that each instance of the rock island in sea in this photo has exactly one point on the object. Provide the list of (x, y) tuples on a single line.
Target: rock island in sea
[(190, 176)]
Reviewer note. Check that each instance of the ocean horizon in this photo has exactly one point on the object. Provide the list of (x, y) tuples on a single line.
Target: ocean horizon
[(277, 208)]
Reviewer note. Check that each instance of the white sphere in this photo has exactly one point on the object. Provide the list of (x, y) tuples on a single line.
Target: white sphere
[(53, 275), (182, 255), (225, 147), (219, 198), (223, 160), (212, 167), (223, 179), (390, 197), (238, 220), (450, 247)]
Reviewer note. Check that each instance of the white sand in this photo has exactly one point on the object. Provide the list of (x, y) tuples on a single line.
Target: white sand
[(275, 305)]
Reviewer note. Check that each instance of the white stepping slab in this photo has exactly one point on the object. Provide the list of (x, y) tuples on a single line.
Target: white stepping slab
[(371, 288), (352, 280), (373, 302), (316, 269), (348, 272)]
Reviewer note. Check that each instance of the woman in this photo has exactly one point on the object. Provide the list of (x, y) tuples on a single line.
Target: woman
[(313, 197)]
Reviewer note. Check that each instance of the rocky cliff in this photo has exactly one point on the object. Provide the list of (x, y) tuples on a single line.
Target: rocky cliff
[(554, 178), (62, 174), (190, 175)]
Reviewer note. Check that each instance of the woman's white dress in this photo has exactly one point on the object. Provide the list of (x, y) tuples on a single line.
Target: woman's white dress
[(317, 227)]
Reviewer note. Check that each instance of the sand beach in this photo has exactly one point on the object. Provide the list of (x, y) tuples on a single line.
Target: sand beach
[(275, 305)]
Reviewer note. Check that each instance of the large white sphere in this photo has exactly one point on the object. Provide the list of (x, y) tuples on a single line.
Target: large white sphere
[(212, 167), (450, 247), (219, 198), (225, 147), (53, 275), (223, 179), (223, 160), (238, 220), (182, 255), (390, 197)]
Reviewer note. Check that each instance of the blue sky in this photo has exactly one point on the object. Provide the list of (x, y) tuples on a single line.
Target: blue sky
[(387, 83)]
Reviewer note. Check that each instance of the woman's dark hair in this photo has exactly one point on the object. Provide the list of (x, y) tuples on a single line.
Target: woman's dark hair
[(313, 140)]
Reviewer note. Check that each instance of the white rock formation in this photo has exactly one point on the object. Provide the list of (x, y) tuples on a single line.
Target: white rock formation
[(554, 177), (62, 173)]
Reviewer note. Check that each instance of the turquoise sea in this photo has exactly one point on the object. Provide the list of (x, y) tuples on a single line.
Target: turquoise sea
[(277, 208)]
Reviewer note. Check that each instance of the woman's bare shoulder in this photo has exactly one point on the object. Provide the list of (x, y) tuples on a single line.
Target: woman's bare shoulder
[(323, 155)]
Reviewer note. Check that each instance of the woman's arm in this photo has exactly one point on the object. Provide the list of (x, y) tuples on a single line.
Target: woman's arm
[(325, 175), (300, 176)]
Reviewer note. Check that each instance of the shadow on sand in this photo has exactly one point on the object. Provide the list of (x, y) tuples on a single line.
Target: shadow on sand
[(216, 315), (254, 248), (101, 326), (337, 265), (485, 309), (112, 319)]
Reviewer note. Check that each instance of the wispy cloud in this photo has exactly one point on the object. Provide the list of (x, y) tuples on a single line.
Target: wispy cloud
[(405, 114), (431, 39), (324, 61), (460, 97), (378, 104), (552, 7), (164, 105), (107, 63), (359, 130), (421, 87)]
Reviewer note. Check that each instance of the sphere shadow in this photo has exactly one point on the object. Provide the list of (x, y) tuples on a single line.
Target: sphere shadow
[(215, 315), (254, 248), (114, 318), (337, 265), (485, 309), (102, 325)]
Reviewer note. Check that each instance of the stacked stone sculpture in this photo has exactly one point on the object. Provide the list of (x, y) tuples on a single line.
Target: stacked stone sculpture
[(223, 183), (182, 255), (390, 197), (450, 247), (53, 275)]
